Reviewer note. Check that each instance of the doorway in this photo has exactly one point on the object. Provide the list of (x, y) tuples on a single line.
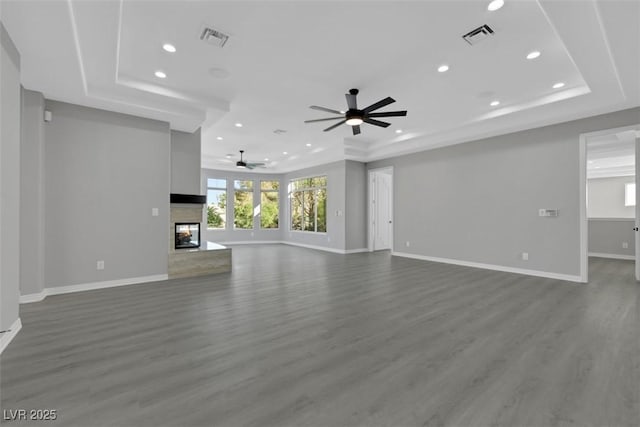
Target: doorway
[(609, 215), (381, 209)]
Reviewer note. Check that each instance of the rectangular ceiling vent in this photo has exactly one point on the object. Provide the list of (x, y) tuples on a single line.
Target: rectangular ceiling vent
[(214, 37), (477, 35)]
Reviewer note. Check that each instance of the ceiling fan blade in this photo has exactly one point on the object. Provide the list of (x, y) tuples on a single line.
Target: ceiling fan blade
[(335, 126), (356, 129), (323, 120), (388, 100), (388, 114), (376, 122), (328, 110), (351, 101), (253, 165)]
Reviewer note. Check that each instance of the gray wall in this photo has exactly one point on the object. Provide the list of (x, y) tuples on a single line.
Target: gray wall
[(185, 162), (479, 201), (32, 211), (334, 238), (606, 198), (104, 172), (606, 236), (257, 234), (356, 205), (9, 180)]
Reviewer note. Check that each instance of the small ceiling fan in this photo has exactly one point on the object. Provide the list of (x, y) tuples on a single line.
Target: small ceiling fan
[(355, 117), (241, 164)]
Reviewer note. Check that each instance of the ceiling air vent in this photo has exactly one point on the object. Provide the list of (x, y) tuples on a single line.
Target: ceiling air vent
[(214, 37), (477, 35)]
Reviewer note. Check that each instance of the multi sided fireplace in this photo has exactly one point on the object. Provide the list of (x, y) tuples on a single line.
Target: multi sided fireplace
[(187, 235)]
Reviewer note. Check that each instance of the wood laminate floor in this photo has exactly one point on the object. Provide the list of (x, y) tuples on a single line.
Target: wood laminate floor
[(296, 337)]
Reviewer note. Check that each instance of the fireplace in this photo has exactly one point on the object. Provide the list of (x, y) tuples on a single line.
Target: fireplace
[(187, 235)]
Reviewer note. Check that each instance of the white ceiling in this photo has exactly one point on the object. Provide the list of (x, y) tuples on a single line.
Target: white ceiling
[(283, 56)]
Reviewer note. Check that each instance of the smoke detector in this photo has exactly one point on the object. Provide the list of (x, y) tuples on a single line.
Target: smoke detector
[(212, 36), (477, 35)]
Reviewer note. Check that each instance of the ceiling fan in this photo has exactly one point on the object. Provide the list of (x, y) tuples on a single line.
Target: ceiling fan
[(241, 164), (355, 117)]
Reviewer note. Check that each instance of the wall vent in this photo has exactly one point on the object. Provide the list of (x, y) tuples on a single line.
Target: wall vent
[(214, 37), (477, 35)]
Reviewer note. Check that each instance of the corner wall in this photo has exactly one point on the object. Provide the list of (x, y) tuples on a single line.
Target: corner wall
[(104, 172), (478, 202), (32, 210), (10, 105)]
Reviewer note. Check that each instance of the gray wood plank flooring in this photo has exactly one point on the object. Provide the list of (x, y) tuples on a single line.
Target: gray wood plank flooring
[(296, 337)]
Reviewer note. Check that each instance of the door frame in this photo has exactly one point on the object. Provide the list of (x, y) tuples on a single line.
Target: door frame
[(370, 215), (582, 171)]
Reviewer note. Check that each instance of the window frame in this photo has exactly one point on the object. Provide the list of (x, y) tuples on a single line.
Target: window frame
[(277, 204), (630, 195), (302, 190), (226, 191), (253, 206)]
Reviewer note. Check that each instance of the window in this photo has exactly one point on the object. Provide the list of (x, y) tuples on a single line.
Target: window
[(243, 205), (216, 203), (630, 194), (269, 204), (308, 198)]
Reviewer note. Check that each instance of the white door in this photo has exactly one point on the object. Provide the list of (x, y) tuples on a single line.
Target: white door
[(382, 220), (637, 225)]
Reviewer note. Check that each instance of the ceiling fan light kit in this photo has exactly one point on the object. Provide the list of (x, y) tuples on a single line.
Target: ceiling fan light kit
[(241, 164), (354, 117)]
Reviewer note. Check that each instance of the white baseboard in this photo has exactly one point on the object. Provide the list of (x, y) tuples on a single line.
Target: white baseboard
[(252, 242), (302, 245), (10, 334), (356, 251), (612, 256), (546, 274), (319, 248), (24, 299), (37, 297)]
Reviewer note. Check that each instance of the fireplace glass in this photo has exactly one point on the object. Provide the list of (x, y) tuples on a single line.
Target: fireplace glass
[(187, 235)]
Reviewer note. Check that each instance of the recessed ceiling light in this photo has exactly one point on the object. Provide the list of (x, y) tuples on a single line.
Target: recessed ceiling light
[(228, 156), (266, 159), (443, 68), (219, 73), (219, 138), (169, 47), (495, 5), (533, 55), (160, 74), (398, 130), (558, 85), (590, 162), (495, 103), (285, 153), (308, 145), (597, 167), (238, 125)]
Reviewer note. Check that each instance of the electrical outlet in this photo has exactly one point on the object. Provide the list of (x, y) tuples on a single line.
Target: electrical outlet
[(407, 243), (625, 245), (100, 265), (525, 256)]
